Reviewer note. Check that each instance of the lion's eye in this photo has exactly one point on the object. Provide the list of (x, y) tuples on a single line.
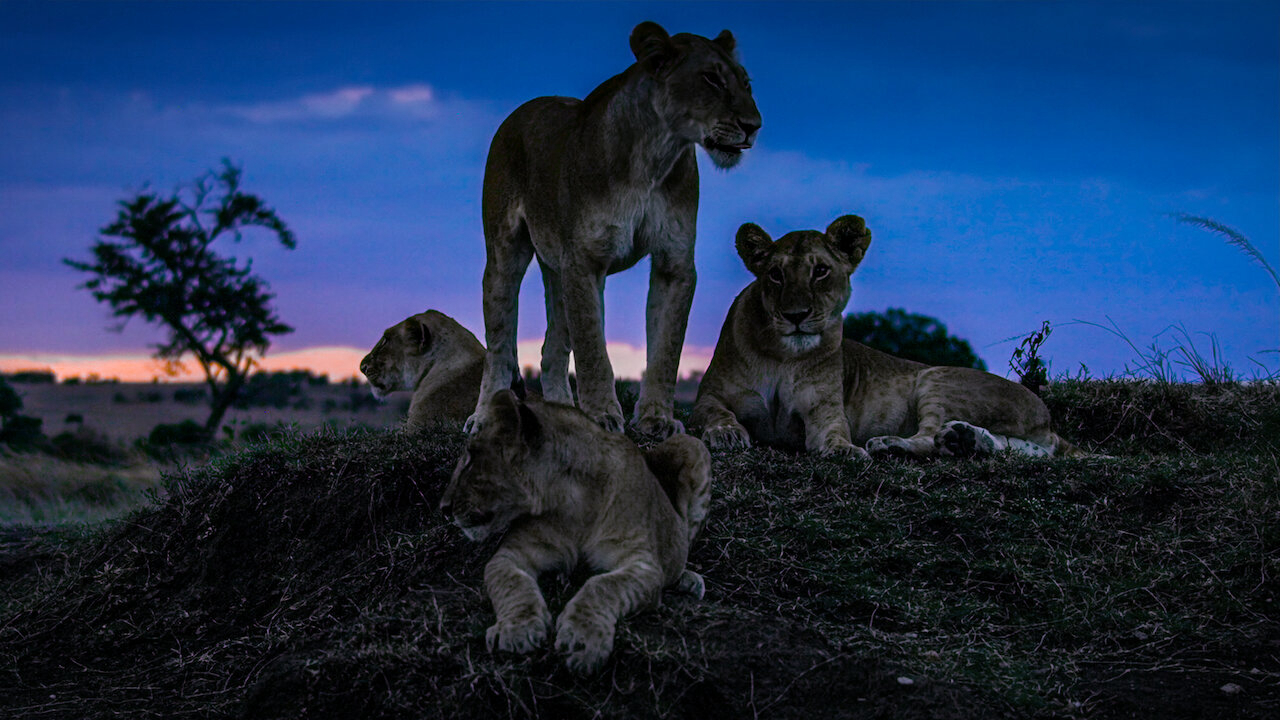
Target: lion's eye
[(713, 79), (820, 271), (775, 276)]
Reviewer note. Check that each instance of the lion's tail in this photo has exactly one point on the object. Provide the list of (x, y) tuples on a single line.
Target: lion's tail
[(682, 465)]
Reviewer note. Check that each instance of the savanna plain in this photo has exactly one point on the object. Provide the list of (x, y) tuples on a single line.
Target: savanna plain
[(302, 569)]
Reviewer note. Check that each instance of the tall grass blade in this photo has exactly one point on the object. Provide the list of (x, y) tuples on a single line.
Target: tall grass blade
[(1233, 237)]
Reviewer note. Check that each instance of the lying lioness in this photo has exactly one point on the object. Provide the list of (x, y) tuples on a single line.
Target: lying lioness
[(567, 492), (782, 374), (431, 354)]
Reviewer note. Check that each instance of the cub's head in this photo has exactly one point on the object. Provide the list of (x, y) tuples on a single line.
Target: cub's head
[(409, 348), (803, 278), (702, 89), (496, 479)]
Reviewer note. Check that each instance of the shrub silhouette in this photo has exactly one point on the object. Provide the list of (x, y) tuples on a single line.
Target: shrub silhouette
[(911, 336)]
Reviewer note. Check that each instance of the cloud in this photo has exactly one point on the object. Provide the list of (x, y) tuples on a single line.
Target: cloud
[(416, 101)]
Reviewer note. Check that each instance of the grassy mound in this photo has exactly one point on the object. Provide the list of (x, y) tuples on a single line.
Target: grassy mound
[(314, 577)]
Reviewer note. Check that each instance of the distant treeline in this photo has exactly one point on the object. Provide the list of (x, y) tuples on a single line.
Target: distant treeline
[(265, 378)]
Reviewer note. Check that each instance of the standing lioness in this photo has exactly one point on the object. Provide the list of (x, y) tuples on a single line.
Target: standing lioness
[(782, 374), (591, 187)]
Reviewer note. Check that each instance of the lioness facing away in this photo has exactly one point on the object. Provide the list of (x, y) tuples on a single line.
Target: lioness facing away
[(435, 357), (568, 492), (592, 186), (782, 373)]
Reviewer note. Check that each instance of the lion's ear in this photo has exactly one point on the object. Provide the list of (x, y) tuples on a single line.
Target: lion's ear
[(651, 46), (851, 237), (754, 247), (419, 335), (726, 41), (513, 418)]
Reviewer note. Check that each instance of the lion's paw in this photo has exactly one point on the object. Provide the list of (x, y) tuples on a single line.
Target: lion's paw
[(520, 637), (847, 451), (585, 643), (473, 424), (960, 439), (726, 437), (658, 426), (612, 422), (889, 446), (690, 583)]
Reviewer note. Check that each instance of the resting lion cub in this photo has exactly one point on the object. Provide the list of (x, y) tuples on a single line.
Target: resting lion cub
[(782, 374), (567, 492), (431, 354)]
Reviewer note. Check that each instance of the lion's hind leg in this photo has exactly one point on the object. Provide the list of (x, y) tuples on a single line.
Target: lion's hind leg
[(682, 465), (961, 439)]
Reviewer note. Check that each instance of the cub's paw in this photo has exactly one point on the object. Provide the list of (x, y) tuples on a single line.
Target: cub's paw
[(960, 439), (658, 426), (520, 637), (889, 446), (690, 583), (473, 423), (726, 437), (847, 451), (585, 644)]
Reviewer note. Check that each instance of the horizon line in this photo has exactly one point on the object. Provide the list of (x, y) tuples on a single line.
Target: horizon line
[(339, 362)]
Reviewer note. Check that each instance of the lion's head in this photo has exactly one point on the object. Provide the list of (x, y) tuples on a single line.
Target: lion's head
[(803, 278), (409, 348), (495, 480), (702, 90)]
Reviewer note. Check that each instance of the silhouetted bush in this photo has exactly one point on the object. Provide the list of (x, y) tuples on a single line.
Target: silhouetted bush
[(911, 336), (189, 396), (87, 446), (22, 432), (33, 377), (187, 432)]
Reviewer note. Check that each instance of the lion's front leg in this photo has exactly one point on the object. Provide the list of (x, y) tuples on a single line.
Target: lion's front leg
[(671, 285), (584, 309), (584, 631), (826, 431), (522, 616), (721, 429)]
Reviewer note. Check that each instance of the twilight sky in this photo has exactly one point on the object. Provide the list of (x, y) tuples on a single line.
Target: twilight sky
[(1015, 161)]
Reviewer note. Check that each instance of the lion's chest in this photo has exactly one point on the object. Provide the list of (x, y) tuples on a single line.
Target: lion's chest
[(773, 410)]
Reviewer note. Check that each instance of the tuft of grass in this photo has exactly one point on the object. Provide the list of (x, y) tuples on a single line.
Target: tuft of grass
[(38, 489), (312, 576)]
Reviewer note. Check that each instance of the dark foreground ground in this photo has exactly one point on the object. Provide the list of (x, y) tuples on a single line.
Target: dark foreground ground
[(314, 577)]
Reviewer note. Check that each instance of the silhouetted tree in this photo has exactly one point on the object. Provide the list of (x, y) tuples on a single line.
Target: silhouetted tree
[(912, 336), (155, 261)]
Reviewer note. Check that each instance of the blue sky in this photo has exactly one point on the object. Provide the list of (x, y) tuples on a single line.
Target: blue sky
[(1015, 161)]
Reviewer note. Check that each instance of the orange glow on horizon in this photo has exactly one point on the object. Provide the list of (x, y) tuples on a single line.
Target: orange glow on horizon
[(339, 363)]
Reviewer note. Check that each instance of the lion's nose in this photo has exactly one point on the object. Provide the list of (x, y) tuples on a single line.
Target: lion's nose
[(749, 128), (797, 317)]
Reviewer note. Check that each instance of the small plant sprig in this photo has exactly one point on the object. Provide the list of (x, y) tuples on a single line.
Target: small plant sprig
[(1032, 370)]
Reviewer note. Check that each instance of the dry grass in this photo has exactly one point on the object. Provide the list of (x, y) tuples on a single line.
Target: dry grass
[(37, 489), (314, 577)]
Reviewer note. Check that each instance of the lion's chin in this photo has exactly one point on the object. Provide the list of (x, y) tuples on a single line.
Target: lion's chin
[(801, 342), (723, 156), (378, 393)]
